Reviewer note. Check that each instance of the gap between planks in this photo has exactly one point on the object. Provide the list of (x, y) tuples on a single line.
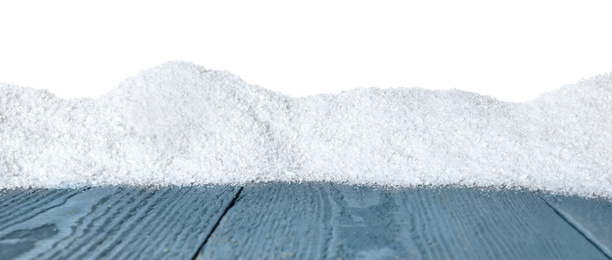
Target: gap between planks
[(111, 222), (351, 222), (583, 231), (229, 206)]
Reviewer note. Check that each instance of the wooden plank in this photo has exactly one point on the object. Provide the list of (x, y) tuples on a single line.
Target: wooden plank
[(327, 221), (20, 206), (111, 222), (592, 217)]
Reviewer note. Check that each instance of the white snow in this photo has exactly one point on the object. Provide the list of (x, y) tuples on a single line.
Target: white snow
[(179, 124)]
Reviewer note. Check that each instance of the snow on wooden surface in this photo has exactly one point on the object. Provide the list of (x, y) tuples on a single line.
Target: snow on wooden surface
[(179, 124)]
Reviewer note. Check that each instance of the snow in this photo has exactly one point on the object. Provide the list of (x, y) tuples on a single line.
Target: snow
[(179, 124)]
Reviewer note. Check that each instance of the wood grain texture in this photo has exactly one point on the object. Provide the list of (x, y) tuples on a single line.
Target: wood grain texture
[(111, 223), (328, 221), (592, 217)]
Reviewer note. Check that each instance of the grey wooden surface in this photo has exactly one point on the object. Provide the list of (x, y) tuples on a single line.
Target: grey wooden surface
[(592, 217), (300, 221), (326, 221), (111, 223)]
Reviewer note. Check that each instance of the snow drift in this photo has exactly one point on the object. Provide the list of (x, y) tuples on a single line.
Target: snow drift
[(179, 124)]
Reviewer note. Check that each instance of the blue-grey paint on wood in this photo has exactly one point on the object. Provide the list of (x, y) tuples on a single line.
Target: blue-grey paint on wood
[(301, 221), (111, 223), (328, 221), (592, 217)]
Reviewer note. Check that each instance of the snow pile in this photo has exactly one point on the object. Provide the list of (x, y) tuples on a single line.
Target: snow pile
[(178, 124)]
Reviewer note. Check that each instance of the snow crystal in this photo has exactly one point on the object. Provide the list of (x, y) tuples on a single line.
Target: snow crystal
[(179, 124)]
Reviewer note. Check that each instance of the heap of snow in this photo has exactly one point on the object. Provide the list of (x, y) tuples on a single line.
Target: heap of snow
[(178, 124)]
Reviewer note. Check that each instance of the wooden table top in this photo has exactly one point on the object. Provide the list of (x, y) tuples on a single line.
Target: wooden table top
[(301, 221)]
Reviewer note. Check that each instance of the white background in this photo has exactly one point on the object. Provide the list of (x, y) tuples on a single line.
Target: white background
[(511, 50)]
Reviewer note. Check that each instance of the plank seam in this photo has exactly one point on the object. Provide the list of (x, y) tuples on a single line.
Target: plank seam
[(584, 232), (229, 206)]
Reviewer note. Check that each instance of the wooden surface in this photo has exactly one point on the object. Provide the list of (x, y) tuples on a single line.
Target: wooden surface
[(301, 221), (592, 217), (111, 223), (283, 221)]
